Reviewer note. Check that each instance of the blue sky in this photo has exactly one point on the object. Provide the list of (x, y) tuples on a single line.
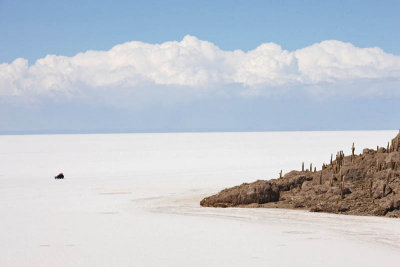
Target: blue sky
[(304, 59), (33, 29)]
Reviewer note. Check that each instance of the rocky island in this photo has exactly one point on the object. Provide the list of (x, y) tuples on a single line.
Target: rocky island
[(364, 184)]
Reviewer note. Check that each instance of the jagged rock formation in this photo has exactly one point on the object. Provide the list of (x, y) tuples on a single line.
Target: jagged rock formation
[(365, 184), (258, 192)]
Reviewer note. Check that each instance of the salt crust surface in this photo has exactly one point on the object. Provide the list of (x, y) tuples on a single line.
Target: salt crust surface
[(133, 200)]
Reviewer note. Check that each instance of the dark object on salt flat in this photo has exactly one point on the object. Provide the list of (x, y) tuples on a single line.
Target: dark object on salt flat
[(59, 176)]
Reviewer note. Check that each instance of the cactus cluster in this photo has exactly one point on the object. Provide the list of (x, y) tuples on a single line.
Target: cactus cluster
[(395, 146), (368, 185), (331, 180), (379, 166), (339, 162), (393, 165), (340, 159)]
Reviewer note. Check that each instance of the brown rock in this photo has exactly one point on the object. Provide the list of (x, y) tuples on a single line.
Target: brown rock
[(257, 192), (368, 151), (364, 190)]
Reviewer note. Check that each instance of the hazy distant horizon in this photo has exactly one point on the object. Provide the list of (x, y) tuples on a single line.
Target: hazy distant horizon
[(69, 132), (229, 115)]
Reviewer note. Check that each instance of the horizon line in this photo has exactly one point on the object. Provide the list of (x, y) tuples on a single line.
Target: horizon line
[(94, 132)]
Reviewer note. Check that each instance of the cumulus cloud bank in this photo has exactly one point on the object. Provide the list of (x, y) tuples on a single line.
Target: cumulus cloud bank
[(200, 65)]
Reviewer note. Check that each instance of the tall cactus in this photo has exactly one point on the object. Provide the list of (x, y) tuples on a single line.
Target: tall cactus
[(342, 189), (370, 188), (389, 176)]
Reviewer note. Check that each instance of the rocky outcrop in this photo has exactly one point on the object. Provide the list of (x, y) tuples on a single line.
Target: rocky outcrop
[(365, 184), (258, 192)]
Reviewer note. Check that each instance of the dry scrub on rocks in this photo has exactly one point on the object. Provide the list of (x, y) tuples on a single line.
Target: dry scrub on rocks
[(365, 184)]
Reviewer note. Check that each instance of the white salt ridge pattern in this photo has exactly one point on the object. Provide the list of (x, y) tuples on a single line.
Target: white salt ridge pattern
[(133, 200)]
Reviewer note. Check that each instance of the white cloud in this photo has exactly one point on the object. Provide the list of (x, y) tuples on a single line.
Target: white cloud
[(193, 64), (334, 60)]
